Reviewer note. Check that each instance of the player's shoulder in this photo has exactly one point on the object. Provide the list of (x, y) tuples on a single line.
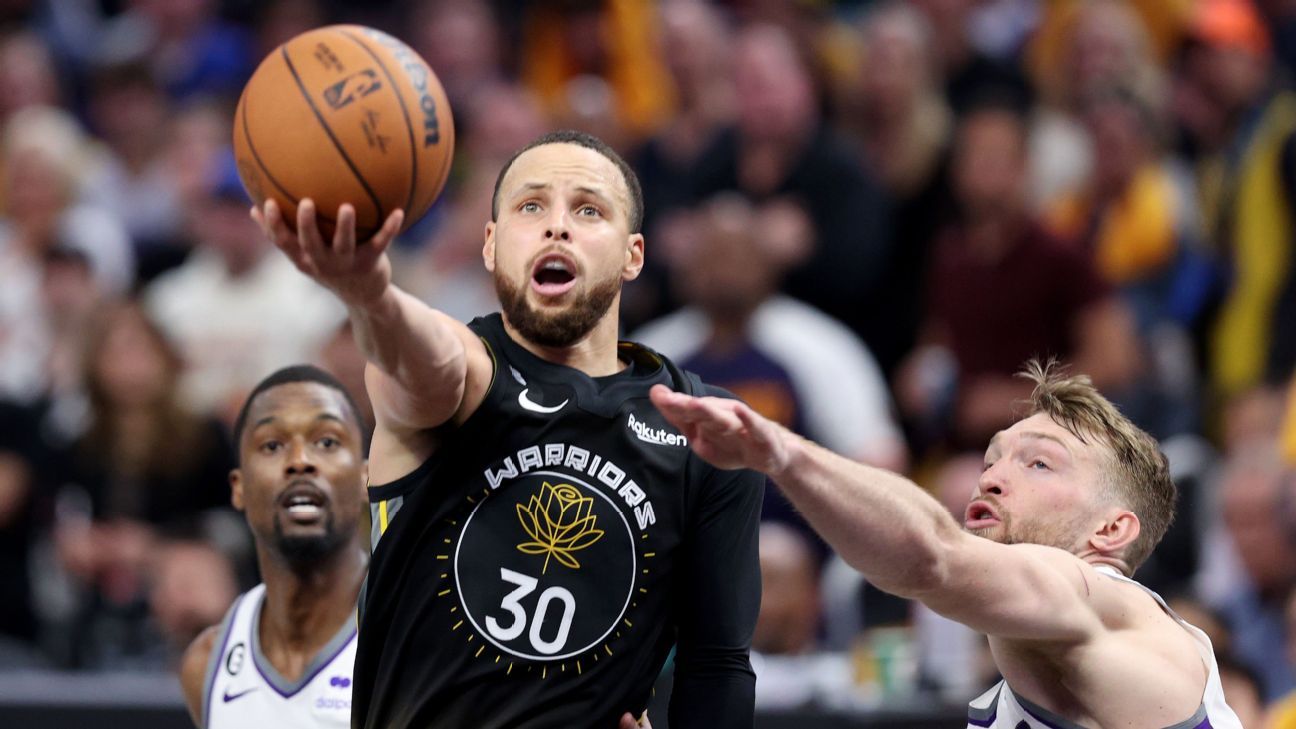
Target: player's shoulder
[(193, 669), (1108, 591)]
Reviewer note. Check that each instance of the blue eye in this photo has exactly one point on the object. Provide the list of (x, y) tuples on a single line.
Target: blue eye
[(529, 207), (1038, 464), (590, 211)]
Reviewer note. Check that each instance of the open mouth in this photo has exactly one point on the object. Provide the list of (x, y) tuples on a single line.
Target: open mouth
[(304, 502), (980, 514), (553, 275)]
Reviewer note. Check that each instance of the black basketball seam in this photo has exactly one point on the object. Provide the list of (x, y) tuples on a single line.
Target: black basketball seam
[(247, 134), (345, 157), (409, 123)]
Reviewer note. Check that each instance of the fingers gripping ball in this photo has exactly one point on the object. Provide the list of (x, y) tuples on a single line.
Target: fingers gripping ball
[(344, 114)]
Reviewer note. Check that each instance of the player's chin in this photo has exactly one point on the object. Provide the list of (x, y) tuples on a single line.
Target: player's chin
[(995, 532)]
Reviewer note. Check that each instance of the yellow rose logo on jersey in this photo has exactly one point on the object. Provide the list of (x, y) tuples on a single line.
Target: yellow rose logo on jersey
[(559, 522)]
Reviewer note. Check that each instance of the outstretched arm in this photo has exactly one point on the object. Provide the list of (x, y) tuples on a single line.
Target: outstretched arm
[(895, 533), (424, 364)]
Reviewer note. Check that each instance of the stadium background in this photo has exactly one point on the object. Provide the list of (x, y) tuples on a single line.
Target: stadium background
[(871, 212)]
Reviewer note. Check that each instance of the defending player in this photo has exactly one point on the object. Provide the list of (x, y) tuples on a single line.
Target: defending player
[(282, 657), (542, 536), (1072, 500)]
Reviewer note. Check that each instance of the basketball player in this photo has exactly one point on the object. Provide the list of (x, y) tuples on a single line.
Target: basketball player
[(1073, 498), (282, 657), (542, 536)]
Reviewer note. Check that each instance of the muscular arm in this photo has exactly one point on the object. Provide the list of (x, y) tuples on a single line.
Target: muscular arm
[(193, 670), (424, 366), (906, 543), (895, 533), (721, 590)]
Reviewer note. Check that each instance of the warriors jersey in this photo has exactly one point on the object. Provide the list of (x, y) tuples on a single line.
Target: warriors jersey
[(242, 689), (1000, 707), (536, 570)]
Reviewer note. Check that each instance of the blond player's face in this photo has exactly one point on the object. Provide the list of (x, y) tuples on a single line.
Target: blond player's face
[(563, 230), (1040, 485)]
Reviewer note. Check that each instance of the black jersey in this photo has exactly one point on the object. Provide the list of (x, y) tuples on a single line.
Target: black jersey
[(537, 569)]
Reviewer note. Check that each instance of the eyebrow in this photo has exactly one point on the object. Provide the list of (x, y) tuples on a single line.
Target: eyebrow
[(994, 440), (1045, 436), (322, 416), (586, 189)]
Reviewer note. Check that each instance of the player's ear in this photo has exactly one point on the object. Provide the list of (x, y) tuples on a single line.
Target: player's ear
[(236, 488), (1118, 532), (634, 259), (488, 249)]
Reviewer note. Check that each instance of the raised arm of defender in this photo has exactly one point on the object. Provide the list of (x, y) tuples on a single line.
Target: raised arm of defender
[(425, 367), (895, 533)]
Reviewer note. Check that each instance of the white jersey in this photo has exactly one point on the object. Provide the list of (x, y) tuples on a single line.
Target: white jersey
[(1001, 708), (243, 690)]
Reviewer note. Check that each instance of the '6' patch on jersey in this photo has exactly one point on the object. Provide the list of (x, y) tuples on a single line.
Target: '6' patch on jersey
[(545, 567)]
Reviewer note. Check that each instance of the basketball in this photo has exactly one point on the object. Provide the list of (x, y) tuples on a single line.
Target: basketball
[(344, 114)]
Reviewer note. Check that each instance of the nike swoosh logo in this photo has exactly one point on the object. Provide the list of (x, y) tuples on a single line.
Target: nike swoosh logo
[(228, 697), (535, 407)]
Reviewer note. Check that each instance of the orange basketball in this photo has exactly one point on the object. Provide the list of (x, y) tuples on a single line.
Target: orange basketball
[(344, 114)]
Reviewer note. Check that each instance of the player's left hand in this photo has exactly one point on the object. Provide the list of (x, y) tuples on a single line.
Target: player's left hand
[(726, 433), (628, 722)]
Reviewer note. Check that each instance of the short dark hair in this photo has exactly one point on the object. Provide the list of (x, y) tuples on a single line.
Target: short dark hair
[(287, 376), (588, 141)]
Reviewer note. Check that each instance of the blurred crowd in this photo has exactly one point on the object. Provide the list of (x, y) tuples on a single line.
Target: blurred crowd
[(862, 217)]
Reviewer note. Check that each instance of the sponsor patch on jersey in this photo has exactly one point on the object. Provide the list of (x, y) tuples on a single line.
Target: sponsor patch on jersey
[(656, 436)]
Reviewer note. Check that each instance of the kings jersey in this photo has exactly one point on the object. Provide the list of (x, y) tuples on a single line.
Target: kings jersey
[(538, 568)]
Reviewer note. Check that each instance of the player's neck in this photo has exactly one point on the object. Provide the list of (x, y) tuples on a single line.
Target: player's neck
[(595, 354), (1097, 559), (303, 610)]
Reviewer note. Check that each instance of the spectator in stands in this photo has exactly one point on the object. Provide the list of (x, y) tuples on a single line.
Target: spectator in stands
[(1241, 124), (191, 50), (782, 147), (789, 361), (24, 465), (696, 46), (1257, 528), (789, 616), (576, 50), (461, 40), (904, 125), (1002, 290), (235, 308), (27, 74), (148, 468), (44, 160), (1137, 217), (1098, 44), (132, 115)]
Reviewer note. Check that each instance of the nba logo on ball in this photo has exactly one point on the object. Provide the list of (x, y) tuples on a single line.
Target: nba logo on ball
[(345, 114), (351, 88)]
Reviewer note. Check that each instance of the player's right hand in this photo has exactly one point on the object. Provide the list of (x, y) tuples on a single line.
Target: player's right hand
[(356, 272), (726, 433)]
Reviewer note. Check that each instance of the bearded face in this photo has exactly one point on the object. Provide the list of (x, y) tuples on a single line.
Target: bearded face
[(560, 325)]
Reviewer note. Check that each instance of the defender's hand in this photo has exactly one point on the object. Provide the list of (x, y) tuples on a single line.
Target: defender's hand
[(356, 272), (628, 722), (726, 433)]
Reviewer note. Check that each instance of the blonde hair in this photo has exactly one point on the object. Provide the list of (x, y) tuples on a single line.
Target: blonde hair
[(1139, 476)]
